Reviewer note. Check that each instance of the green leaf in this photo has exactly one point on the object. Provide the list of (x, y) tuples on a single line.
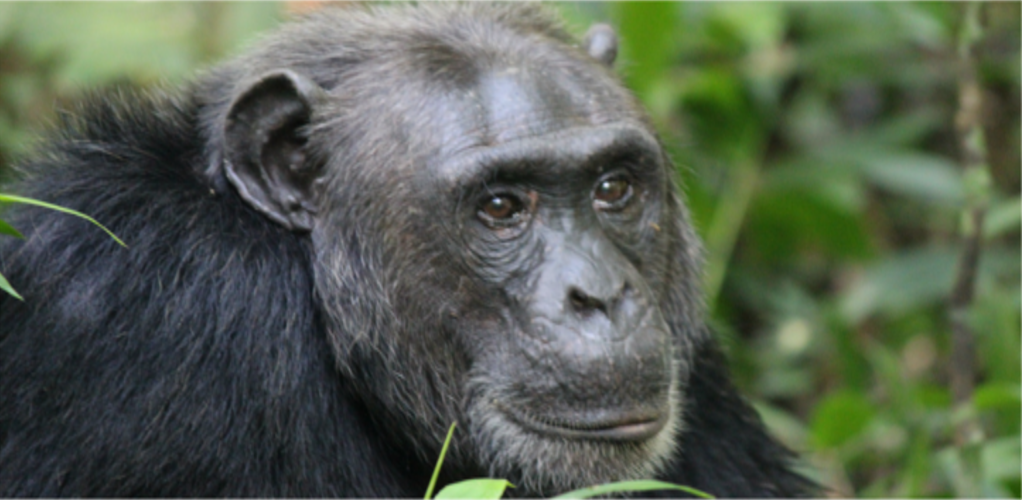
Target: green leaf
[(919, 25), (901, 282), (9, 230), (10, 198), (759, 24), (994, 395), (5, 286), (627, 486), (1002, 218), (840, 417), (922, 176), (440, 460), (475, 488), (1000, 458)]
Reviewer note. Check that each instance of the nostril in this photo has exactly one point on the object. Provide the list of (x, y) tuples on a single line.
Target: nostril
[(583, 303), (577, 299)]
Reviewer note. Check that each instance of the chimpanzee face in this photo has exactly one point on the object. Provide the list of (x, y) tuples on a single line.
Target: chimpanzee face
[(522, 245)]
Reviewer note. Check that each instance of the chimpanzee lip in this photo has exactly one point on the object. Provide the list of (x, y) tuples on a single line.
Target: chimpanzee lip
[(620, 426)]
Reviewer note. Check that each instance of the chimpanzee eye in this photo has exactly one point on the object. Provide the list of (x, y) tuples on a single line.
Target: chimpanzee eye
[(501, 209), (612, 193)]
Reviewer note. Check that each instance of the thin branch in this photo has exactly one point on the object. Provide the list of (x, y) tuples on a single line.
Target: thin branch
[(977, 186)]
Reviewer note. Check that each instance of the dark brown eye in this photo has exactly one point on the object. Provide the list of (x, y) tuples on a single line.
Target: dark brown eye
[(501, 209), (613, 191)]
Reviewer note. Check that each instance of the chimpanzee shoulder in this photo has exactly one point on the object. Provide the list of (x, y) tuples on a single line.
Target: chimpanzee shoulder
[(207, 295)]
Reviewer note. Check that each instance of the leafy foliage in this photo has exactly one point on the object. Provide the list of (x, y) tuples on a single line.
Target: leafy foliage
[(818, 149)]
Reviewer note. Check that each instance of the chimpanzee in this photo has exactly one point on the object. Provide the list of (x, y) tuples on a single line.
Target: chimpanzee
[(376, 223)]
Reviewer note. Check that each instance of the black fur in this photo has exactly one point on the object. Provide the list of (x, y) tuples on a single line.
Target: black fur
[(197, 361)]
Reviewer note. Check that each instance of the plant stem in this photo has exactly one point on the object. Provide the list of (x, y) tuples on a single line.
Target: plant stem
[(977, 185), (440, 461)]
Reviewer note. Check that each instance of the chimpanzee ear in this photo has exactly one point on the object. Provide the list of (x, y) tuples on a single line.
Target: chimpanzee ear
[(265, 150), (602, 43)]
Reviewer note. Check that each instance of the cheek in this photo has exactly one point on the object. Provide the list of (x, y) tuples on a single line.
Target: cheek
[(639, 235), (493, 354)]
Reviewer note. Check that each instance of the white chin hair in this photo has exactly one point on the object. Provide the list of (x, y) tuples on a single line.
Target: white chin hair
[(543, 466)]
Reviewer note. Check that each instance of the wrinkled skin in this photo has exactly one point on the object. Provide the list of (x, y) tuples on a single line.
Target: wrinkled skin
[(550, 296), (370, 226)]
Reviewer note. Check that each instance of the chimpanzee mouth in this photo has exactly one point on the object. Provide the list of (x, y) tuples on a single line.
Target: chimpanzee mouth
[(618, 426)]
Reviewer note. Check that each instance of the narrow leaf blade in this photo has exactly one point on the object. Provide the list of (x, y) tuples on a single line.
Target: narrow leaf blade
[(10, 198), (627, 486), (9, 230), (440, 460), (5, 286)]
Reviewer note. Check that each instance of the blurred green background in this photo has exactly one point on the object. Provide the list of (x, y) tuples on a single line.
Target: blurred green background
[(817, 146)]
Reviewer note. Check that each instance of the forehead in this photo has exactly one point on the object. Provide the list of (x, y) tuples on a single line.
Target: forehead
[(430, 99), (515, 102), (511, 102)]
